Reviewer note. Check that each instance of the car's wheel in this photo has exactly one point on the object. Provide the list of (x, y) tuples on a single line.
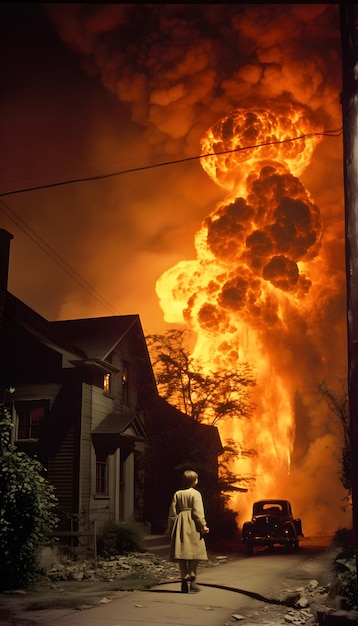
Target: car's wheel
[(249, 548), (292, 546)]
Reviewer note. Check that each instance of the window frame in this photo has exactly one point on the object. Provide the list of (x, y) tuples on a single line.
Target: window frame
[(107, 383), (30, 414), (102, 476)]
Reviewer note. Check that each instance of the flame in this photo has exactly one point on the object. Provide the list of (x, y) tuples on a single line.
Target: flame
[(256, 278), (272, 131), (268, 283)]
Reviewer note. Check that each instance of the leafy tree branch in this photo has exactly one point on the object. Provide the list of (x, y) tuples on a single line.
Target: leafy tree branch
[(207, 396)]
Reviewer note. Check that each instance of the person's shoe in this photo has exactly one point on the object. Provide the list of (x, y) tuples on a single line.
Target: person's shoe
[(184, 586), (194, 587)]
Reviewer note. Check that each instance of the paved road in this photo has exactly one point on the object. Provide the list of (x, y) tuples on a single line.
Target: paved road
[(244, 588)]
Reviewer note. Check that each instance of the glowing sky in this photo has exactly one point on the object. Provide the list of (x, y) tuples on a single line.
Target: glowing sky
[(92, 89)]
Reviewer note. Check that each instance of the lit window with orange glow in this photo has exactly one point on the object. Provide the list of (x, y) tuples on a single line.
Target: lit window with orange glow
[(107, 383), (125, 385)]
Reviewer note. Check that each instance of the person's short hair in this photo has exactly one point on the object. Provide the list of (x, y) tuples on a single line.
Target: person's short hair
[(189, 477)]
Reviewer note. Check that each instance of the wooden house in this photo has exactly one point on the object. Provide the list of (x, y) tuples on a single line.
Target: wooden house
[(85, 403)]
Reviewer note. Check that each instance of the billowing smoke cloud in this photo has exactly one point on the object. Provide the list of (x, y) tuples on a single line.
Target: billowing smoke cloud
[(267, 283), (182, 67)]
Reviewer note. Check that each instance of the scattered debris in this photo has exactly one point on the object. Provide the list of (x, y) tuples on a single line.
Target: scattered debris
[(301, 606), (112, 568), (105, 601)]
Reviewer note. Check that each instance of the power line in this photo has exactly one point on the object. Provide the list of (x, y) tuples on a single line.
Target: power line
[(328, 133), (55, 256), (62, 263)]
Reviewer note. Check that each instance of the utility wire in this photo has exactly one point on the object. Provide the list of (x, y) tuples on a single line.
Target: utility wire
[(55, 256), (328, 133), (61, 262)]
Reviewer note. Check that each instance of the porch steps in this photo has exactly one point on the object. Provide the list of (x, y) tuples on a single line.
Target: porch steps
[(158, 544)]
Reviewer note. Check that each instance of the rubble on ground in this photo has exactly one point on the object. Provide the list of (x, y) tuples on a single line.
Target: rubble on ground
[(113, 567), (140, 565), (297, 605), (309, 605), (306, 606)]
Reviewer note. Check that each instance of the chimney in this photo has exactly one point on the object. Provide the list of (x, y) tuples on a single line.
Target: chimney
[(5, 239)]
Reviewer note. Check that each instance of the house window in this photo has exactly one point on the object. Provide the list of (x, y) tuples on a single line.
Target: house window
[(102, 475), (107, 383), (30, 415), (125, 385)]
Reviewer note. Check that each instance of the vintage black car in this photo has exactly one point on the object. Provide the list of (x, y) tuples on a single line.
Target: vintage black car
[(272, 524)]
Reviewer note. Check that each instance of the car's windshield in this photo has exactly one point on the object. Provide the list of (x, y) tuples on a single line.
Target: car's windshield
[(269, 508)]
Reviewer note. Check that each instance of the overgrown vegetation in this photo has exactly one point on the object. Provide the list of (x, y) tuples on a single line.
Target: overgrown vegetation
[(27, 503), (121, 538), (345, 569)]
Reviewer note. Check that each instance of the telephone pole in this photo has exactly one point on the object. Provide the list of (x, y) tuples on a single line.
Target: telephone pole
[(349, 101)]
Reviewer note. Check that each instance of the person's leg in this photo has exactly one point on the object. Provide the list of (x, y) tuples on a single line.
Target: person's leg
[(184, 569), (184, 575), (193, 567)]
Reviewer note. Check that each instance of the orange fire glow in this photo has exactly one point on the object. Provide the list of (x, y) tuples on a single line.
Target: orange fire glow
[(257, 278), (266, 281)]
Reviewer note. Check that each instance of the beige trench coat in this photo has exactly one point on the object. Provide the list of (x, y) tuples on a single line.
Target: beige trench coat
[(185, 521)]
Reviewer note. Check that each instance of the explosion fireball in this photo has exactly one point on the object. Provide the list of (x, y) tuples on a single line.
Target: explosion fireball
[(265, 283), (254, 287)]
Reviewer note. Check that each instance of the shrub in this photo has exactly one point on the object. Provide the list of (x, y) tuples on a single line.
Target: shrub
[(345, 567), (346, 583), (344, 538), (27, 503), (119, 538)]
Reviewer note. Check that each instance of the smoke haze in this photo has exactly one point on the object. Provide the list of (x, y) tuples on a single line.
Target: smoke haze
[(247, 248)]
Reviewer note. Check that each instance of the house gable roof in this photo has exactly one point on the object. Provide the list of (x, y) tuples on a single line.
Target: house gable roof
[(86, 342), (97, 336), (40, 328), (165, 416)]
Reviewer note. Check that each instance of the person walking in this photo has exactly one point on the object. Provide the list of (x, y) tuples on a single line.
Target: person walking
[(187, 527)]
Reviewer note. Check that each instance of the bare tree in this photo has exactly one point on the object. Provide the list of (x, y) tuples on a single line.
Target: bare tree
[(338, 403)]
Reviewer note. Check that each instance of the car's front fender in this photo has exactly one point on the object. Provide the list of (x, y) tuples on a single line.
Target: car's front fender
[(289, 530)]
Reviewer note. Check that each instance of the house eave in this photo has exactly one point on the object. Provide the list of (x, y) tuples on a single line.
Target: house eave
[(96, 364), (110, 442)]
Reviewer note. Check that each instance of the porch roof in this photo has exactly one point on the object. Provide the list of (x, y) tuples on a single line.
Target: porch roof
[(118, 431), (119, 423)]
